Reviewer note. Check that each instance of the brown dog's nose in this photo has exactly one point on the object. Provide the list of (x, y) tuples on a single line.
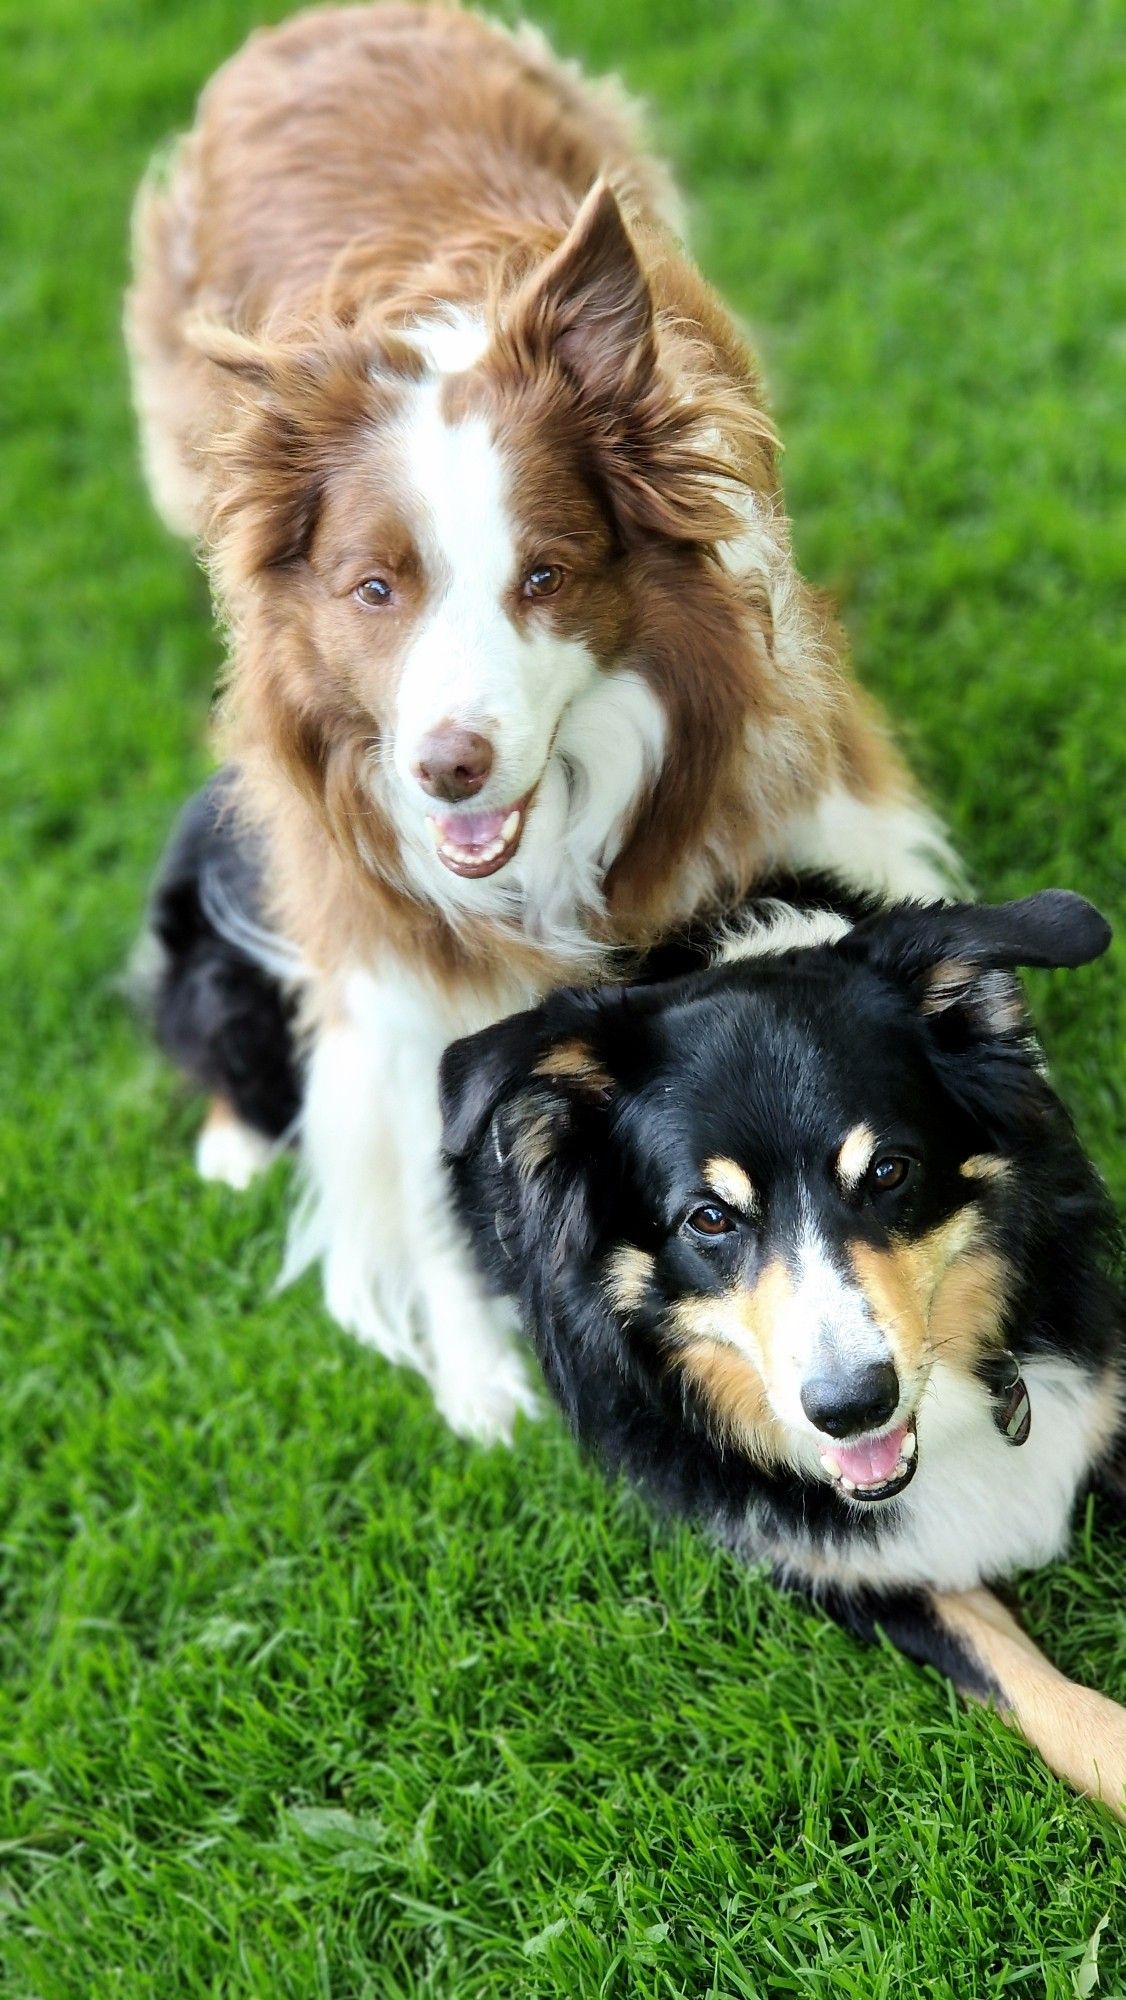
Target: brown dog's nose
[(452, 762)]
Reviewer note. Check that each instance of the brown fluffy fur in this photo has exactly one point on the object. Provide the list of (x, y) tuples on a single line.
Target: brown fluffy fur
[(347, 170)]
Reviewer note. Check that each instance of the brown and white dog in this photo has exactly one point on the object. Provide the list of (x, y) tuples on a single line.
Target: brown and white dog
[(522, 671)]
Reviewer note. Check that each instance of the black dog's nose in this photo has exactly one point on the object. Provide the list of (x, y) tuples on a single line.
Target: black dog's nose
[(846, 1405)]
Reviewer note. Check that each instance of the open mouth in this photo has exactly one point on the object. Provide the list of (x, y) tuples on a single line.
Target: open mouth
[(474, 844), (873, 1468)]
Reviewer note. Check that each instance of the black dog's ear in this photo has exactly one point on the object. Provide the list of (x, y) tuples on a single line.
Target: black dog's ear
[(478, 1072), (549, 1049), (956, 956)]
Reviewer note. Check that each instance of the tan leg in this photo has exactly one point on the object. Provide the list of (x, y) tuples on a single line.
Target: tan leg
[(1081, 1735)]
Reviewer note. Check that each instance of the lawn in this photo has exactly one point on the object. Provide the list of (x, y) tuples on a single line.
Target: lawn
[(301, 1696)]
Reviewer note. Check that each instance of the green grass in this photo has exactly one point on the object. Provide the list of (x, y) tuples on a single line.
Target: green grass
[(301, 1697)]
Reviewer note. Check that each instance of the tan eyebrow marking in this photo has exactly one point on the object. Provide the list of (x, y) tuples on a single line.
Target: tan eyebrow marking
[(732, 1184), (984, 1167), (855, 1157)]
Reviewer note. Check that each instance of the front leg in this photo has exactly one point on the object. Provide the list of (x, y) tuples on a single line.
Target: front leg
[(972, 1639), (375, 1214)]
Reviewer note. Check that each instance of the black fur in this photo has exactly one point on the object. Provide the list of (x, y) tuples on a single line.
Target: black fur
[(913, 1022), (223, 1019)]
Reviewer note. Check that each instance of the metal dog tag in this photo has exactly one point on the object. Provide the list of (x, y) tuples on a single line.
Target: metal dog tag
[(1012, 1409)]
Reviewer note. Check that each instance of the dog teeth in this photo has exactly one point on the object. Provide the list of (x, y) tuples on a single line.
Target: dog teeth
[(475, 857), (848, 1484), (910, 1446), (831, 1466)]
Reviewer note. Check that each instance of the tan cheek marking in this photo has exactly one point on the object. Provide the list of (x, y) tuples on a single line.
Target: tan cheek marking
[(969, 1303), (735, 1396), (887, 1280), (626, 1275), (985, 1167), (732, 1184), (943, 1294), (724, 1345), (575, 1064), (1081, 1735), (855, 1157)]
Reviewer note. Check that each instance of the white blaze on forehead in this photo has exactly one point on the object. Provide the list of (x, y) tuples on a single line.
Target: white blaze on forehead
[(455, 667), (470, 660), (458, 480)]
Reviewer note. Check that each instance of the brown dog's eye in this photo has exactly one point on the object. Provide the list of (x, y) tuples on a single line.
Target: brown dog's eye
[(889, 1173), (543, 581), (373, 591), (709, 1221)]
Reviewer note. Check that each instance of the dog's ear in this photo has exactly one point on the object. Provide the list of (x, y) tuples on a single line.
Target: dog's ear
[(295, 401), (478, 1072), (267, 463), (672, 443), (547, 1054), (246, 355), (588, 306), (957, 960)]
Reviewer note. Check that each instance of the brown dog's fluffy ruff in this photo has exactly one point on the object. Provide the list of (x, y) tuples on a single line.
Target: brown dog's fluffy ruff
[(521, 668)]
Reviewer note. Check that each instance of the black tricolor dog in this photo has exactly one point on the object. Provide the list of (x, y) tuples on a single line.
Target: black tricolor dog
[(808, 1248)]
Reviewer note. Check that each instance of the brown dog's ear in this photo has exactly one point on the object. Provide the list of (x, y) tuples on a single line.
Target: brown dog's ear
[(674, 443), (243, 354), (588, 307), (295, 402)]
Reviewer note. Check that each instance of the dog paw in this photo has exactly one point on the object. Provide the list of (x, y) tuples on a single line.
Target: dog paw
[(484, 1406), (231, 1152)]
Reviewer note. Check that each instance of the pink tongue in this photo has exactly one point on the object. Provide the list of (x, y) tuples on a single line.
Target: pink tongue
[(471, 829), (872, 1462)]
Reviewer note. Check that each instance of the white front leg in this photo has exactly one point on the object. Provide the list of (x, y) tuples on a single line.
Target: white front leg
[(375, 1213)]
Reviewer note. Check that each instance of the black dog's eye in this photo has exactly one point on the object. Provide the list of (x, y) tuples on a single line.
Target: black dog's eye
[(709, 1220), (890, 1172)]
